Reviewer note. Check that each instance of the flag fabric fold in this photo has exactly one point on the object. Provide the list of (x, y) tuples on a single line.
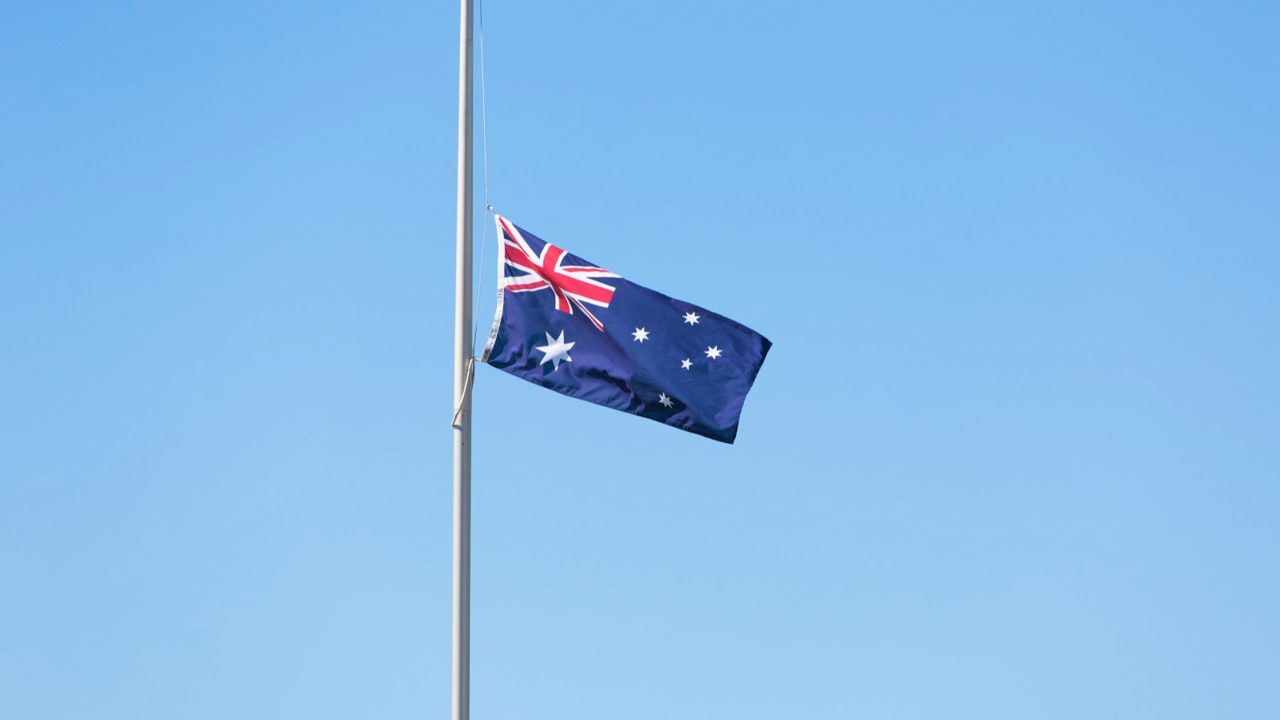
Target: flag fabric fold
[(568, 325)]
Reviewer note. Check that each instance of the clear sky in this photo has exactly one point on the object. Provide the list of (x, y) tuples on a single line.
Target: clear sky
[(1015, 453)]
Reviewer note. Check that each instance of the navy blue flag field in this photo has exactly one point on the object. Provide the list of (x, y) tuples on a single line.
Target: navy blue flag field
[(566, 324)]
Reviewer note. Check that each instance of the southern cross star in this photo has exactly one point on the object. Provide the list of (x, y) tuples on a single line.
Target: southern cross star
[(554, 351), (640, 334), (664, 400), (685, 363), (713, 352), (691, 317)]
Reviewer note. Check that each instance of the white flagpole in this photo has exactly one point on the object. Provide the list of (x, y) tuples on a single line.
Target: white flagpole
[(462, 352)]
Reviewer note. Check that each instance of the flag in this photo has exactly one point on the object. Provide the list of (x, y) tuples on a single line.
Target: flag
[(568, 325)]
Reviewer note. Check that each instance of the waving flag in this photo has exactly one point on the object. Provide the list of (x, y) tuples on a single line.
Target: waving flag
[(583, 331)]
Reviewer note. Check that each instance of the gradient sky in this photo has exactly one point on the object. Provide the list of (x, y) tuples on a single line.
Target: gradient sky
[(1015, 453)]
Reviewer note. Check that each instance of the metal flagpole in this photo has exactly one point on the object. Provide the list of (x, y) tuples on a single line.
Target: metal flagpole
[(462, 352)]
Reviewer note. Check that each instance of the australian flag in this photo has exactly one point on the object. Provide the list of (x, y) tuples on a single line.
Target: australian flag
[(576, 328)]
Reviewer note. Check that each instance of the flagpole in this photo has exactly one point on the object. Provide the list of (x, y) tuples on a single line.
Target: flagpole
[(462, 352)]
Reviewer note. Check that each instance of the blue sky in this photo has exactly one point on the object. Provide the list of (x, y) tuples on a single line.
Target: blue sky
[(1014, 452)]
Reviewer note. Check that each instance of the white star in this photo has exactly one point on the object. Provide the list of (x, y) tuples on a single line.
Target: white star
[(664, 400), (713, 352), (554, 351), (685, 363), (691, 318), (640, 334)]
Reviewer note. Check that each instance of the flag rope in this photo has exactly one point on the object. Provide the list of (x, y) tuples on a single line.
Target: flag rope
[(484, 154), (466, 391)]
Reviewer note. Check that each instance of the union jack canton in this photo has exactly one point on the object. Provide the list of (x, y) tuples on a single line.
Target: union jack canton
[(578, 329)]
